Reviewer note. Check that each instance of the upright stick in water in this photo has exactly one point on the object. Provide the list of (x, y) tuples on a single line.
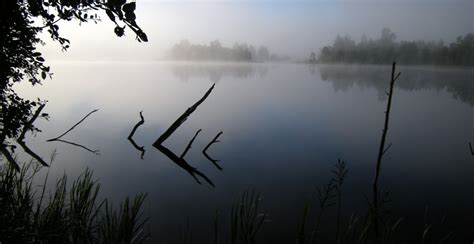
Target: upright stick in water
[(382, 151)]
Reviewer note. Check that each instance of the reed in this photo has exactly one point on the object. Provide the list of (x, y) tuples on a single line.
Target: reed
[(246, 220), (66, 214)]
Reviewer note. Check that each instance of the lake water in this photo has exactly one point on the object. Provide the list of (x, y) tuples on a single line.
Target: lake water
[(284, 126)]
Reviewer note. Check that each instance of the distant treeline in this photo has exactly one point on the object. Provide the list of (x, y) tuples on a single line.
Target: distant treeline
[(386, 49), (216, 52)]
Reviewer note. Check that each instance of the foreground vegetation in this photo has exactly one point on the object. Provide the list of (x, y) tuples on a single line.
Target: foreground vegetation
[(74, 214)]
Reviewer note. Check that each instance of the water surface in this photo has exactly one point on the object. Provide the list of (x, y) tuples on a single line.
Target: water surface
[(284, 127)]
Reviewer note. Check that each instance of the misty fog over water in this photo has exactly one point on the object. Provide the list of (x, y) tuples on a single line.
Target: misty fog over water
[(282, 97)]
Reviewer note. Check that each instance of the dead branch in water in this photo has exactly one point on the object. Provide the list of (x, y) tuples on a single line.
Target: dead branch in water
[(72, 128), (180, 161), (130, 137), (382, 151), (181, 119), (214, 161), (21, 138)]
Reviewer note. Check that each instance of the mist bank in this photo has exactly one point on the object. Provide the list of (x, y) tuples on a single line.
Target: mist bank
[(386, 49), (239, 52)]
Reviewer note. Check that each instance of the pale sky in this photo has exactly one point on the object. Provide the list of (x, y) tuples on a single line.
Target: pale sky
[(287, 27)]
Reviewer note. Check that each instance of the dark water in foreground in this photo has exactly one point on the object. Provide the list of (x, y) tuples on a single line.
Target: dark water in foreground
[(284, 126)]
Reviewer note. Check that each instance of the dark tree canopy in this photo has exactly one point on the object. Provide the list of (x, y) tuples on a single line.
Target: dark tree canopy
[(21, 22), (386, 49)]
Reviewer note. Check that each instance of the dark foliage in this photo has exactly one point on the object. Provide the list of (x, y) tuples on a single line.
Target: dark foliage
[(386, 49), (21, 22), (216, 52)]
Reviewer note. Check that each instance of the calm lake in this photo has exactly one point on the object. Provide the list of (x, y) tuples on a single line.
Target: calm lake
[(284, 126)]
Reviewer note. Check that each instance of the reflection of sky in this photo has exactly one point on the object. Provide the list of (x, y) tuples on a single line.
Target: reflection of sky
[(281, 133)]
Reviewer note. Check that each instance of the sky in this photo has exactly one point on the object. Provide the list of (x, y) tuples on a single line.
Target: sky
[(287, 27)]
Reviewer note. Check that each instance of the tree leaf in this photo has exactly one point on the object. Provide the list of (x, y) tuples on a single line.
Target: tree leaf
[(142, 36), (129, 7)]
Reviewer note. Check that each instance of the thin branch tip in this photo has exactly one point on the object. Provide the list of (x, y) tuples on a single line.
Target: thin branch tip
[(132, 133)]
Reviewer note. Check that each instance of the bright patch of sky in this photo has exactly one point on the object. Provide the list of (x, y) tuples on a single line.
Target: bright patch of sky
[(287, 27)]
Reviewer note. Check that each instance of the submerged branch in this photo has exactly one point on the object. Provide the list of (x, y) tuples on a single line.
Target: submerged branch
[(21, 138), (214, 161), (74, 126), (130, 137)]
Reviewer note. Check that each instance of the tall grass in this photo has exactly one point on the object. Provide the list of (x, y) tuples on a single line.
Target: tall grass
[(65, 215), (246, 220)]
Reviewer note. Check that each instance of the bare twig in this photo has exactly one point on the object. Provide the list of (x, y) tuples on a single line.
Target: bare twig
[(214, 161), (74, 126), (130, 137), (96, 152), (190, 144), (21, 138), (382, 150)]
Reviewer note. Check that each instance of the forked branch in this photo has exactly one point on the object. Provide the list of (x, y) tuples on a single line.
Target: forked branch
[(214, 161)]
